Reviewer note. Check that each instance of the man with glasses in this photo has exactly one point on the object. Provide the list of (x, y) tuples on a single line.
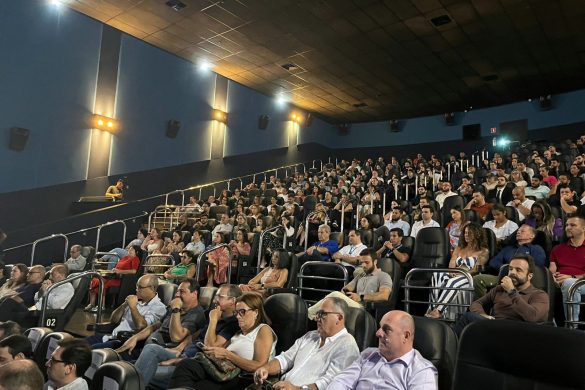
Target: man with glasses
[(183, 318), (15, 307), (322, 249), (136, 313), (395, 364), (348, 256), (75, 262), (317, 357), (157, 363), (67, 365)]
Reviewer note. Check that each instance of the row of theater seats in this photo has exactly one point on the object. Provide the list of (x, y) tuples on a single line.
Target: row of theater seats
[(489, 355)]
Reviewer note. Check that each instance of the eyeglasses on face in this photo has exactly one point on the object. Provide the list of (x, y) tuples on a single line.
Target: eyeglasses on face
[(322, 314), (52, 361), (241, 312), (139, 287)]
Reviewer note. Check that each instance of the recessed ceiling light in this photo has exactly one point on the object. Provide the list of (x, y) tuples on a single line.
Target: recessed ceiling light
[(289, 66), (176, 5), (441, 20)]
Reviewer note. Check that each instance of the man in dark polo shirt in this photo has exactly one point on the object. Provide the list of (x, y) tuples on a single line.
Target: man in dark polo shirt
[(515, 298), (183, 319)]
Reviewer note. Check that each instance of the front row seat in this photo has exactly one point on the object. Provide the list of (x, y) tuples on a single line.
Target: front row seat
[(117, 375)]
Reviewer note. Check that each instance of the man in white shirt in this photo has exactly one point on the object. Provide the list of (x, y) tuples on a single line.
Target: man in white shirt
[(521, 203), (536, 188), (224, 226), (426, 221), (349, 254), (59, 296), (393, 220), (75, 262), (444, 194), (317, 357)]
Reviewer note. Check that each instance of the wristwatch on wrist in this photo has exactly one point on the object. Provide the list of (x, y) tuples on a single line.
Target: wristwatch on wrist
[(176, 310)]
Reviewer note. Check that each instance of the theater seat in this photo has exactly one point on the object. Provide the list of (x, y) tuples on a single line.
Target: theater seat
[(288, 314), (392, 268), (47, 345), (166, 292), (512, 355), (99, 357), (57, 319), (437, 342), (362, 326), (117, 375), (35, 335), (206, 295)]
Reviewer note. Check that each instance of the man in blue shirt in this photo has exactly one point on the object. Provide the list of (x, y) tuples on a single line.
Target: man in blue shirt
[(322, 249)]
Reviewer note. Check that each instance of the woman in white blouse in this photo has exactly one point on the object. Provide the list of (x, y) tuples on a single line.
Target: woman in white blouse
[(501, 225)]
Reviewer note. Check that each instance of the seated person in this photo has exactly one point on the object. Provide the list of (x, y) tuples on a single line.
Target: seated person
[(8, 328), (183, 319), (152, 242), (174, 244), (119, 253), (322, 249), (224, 226), (525, 236), (59, 296), (394, 249), (196, 246), (393, 219), (15, 306), (75, 262), (426, 221), (248, 349), (15, 347), (395, 364), (116, 191), (128, 265), (217, 262), (157, 363), (348, 256), (500, 225), (515, 298), (239, 247), (186, 269), (136, 313), (470, 254), (317, 357), (67, 364), (479, 205), (21, 375), (274, 276), (17, 281)]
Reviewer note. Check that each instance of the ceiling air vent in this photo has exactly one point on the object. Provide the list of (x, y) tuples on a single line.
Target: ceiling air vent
[(289, 66), (176, 5), (360, 105), (441, 20)]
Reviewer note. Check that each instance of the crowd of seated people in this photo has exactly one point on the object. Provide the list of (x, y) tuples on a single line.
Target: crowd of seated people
[(525, 198)]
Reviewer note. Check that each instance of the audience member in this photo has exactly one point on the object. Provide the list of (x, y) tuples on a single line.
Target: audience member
[(15, 347), (224, 226), (273, 276), (349, 254), (444, 194), (322, 249), (21, 375), (217, 261), (17, 280), (186, 269), (373, 284), (425, 222), (500, 225), (67, 364), (395, 364), (15, 306), (536, 189), (116, 192), (521, 203), (479, 205), (393, 219), (316, 358)]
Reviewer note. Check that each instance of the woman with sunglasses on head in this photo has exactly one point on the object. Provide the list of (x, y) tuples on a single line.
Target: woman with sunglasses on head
[(186, 269), (249, 349)]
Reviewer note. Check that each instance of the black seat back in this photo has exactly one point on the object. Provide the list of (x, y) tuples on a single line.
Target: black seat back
[(448, 204), (437, 342), (376, 220), (431, 249), (337, 236), (122, 374), (481, 365), (47, 346), (288, 314), (35, 335), (166, 292), (392, 268), (362, 326), (492, 242), (89, 253), (367, 237), (99, 357), (206, 295), (57, 319)]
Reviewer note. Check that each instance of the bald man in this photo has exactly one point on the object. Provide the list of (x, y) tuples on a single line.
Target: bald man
[(395, 364), (21, 375)]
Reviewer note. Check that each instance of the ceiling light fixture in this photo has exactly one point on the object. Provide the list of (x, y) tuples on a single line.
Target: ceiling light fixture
[(204, 66), (176, 5)]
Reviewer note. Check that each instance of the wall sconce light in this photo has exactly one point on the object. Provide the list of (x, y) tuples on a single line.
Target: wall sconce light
[(220, 116), (296, 117), (104, 123)]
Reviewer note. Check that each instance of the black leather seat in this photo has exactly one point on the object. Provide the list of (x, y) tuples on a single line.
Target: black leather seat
[(166, 292), (543, 280), (288, 313), (337, 236), (47, 346), (57, 319), (319, 278), (124, 374), (512, 214), (437, 342), (35, 335), (362, 326), (376, 220), (206, 295), (99, 357), (367, 237), (492, 242), (89, 253), (431, 249), (485, 361)]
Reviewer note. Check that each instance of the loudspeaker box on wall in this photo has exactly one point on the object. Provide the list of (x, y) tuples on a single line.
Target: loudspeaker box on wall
[(18, 138)]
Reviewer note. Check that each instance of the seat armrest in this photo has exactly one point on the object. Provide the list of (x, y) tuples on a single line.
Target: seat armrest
[(274, 290), (102, 327)]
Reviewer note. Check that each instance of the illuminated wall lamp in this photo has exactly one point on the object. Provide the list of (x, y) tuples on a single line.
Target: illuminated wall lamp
[(104, 123), (220, 116), (296, 117)]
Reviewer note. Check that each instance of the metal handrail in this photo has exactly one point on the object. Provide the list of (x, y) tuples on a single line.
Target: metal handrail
[(100, 227), (569, 323), (48, 238), (69, 280), (97, 262), (468, 290), (301, 276), (264, 232), (211, 249), (182, 192), (166, 208), (158, 255)]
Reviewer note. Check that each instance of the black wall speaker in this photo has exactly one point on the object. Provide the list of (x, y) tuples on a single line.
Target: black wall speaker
[(472, 132), (173, 127), (449, 118), (309, 120), (263, 121), (394, 126), (18, 138), (545, 102)]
